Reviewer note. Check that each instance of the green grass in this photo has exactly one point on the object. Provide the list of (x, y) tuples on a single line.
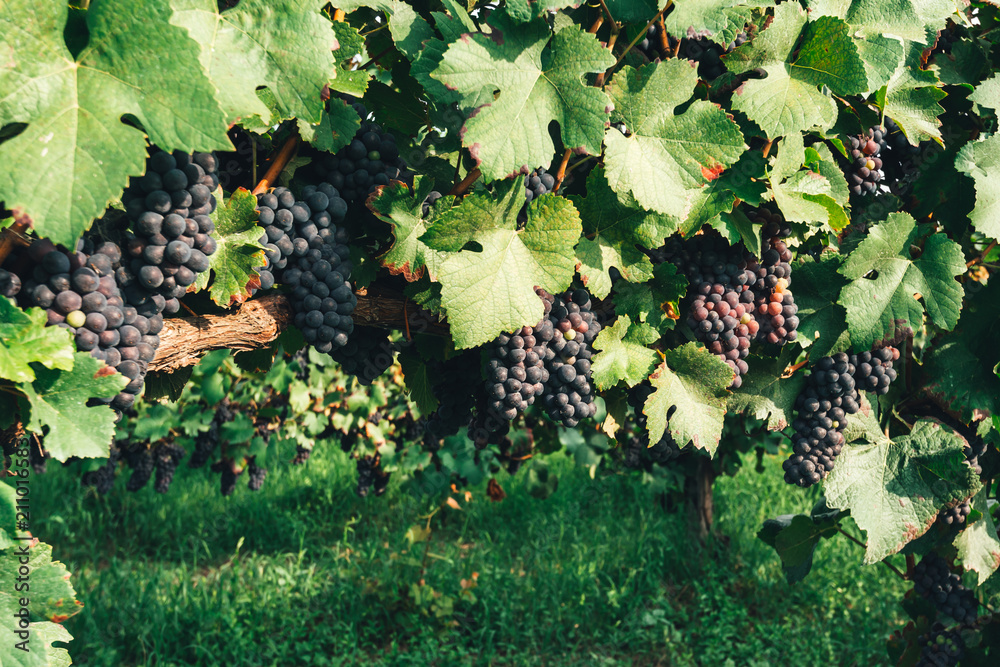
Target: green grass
[(305, 573)]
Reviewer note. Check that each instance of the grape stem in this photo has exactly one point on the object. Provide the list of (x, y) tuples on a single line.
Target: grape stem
[(862, 544), (281, 160), (976, 260), (375, 58), (561, 174), (466, 183), (614, 24), (641, 35), (767, 147)]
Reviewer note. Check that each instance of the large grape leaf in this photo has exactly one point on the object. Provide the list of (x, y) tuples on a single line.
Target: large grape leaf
[(719, 18), (490, 290), (889, 273), (336, 128), (76, 153), (666, 157), (656, 302), (49, 585), (961, 367), (285, 45), (402, 208), (978, 544), (804, 195), (624, 355), (981, 161), (822, 321), (908, 19), (895, 489), (55, 404), (612, 230), (537, 86), (795, 538), (689, 397), (24, 339), (238, 250), (766, 393), (789, 99), (911, 97), (52, 596), (987, 93), (451, 29)]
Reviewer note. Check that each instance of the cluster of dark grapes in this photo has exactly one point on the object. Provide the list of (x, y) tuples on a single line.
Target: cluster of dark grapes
[(934, 580), (79, 293), (367, 354), (321, 292), (103, 479), (516, 371), (697, 48), (538, 183), (371, 477), (228, 476), (569, 397), (206, 441), (866, 161), (290, 224), (256, 475), (171, 231), (941, 647), (774, 303), (167, 457), (637, 451), (831, 393), (550, 359), (139, 458), (370, 160), (451, 380), (898, 157)]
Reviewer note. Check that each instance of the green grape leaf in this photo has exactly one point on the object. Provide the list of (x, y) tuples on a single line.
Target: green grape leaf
[(987, 93), (689, 400), (822, 321), (76, 153), (895, 489), (512, 132), (51, 596), (908, 19), (766, 394), (489, 291), (713, 203), (418, 381), (623, 353), (882, 55), (981, 161), (804, 195), (430, 57), (911, 98), (8, 507), (978, 544), (55, 404), (886, 277), (667, 158), (353, 82), (959, 378), (285, 45), (402, 208), (863, 426), (795, 538), (789, 99), (24, 339), (335, 129), (612, 230), (238, 250), (711, 17), (962, 366), (656, 302)]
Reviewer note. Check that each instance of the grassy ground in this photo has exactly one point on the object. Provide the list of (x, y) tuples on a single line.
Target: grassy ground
[(305, 573)]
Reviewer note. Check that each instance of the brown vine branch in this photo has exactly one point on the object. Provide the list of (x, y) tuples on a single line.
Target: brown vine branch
[(12, 237), (615, 27), (338, 15), (561, 174), (257, 323), (976, 260), (375, 58), (640, 36), (280, 161), (466, 183)]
